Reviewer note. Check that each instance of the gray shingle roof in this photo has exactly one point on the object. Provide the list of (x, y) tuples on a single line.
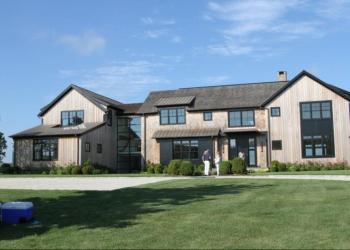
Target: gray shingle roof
[(218, 97), (130, 108), (178, 100), (55, 130), (182, 133)]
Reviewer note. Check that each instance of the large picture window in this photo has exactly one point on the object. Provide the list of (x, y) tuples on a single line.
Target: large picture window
[(185, 149), (241, 118), (172, 116), (72, 118), (317, 129), (45, 149)]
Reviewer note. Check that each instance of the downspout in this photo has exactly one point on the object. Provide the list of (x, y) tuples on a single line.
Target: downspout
[(78, 149), (268, 145)]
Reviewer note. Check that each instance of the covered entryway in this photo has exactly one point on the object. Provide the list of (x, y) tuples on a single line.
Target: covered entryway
[(244, 143)]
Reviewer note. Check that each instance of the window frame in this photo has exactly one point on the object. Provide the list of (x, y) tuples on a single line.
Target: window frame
[(314, 148), (176, 109), (311, 110), (241, 118), (276, 147), (275, 108), (99, 148), (69, 117), (207, 113), (191, 141), (87, 147), (55, 149)]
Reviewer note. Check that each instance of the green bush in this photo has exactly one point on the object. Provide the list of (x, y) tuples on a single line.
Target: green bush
[(158, 169), (225, 168), (238, 166), (96, 171), (274, 166), (186, 168), (293, 168), (198, 170), (282, 167), (165, 169), (53, 171), (86, 170), (59, 171), (150, 168), (5, 168), (174, 167), (76, 170)]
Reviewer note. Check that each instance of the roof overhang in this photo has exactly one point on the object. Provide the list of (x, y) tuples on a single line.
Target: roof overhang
[(186, 133), (243, 130)]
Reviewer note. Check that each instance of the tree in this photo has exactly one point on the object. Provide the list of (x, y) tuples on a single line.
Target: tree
[(3, 146)]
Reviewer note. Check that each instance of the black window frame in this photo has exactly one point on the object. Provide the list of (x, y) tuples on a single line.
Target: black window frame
[(241, 118), (314, 147), (275, 115), (205, 118), (69, 117), (276, 145), (311, 111), (52, 143), (109, 118), (99, 148), (87, 147), (190, 152), (168, 116)]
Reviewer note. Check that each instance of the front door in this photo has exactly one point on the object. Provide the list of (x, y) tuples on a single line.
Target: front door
[(246, 144)]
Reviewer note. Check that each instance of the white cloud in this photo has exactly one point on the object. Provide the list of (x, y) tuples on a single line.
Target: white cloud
[(126, 81), (271, 22), (159, 22), (176, 39), (154, 34), (84, 44)]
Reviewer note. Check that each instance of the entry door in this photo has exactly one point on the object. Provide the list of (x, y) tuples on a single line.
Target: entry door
[(245, 144)]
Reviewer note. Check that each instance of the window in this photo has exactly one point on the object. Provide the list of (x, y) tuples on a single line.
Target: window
[(109, 118), (45, 149), (72, 118), (185, 149), (241, 118), (277, 145), (87, 147), (318, 146), (99, 148), (316, 110), (172, 116), (275, 112), (208, 116)]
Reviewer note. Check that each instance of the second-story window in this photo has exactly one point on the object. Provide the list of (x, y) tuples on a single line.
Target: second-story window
[(207, 116), (170, 116), (72, 118), (241, 118)]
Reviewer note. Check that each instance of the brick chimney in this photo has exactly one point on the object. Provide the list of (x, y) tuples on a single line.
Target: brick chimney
[(282, 76)]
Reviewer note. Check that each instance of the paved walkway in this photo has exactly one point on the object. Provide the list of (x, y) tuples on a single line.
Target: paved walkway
[(292, 177), (112, 183), (79, 183)]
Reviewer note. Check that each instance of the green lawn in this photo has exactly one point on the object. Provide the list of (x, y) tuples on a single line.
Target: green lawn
[(323, 172), (195, 213)]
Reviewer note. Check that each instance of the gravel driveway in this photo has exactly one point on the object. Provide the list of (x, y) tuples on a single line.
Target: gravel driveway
[(79, 183)]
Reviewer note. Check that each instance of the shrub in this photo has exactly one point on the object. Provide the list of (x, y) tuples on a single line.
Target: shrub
[(225, 168), (293, 168), (150, 168), (5, 168), (282, 167), (87, 169), (76, 170), (238, 166), (59, 171), (96, 171), (186, 168), (198, 170), (274, 166), (174, 167), (165, 169), (158, 169), (68, 169), (53, 171)]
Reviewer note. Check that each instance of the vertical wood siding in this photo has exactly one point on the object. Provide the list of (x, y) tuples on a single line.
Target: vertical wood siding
[(287, 126), (73, 100)]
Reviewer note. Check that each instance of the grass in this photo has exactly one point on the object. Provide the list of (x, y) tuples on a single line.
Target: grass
[(321, 172), (196, 213)]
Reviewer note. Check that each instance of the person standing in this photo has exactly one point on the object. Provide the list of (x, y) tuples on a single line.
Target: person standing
[(206, 158), (217, 164)]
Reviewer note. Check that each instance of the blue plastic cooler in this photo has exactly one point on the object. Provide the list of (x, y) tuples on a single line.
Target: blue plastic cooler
[(16, 212)]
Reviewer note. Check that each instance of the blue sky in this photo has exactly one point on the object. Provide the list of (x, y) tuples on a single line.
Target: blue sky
[(124, 49)]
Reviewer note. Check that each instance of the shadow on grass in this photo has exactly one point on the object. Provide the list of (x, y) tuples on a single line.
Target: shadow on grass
[(113, 209)]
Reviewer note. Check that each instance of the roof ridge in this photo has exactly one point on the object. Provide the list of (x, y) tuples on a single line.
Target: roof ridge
[(92, 92), (233, 84)]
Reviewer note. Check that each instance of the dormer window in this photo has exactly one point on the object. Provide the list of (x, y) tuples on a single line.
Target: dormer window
[(171, 116), (72, 118)]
